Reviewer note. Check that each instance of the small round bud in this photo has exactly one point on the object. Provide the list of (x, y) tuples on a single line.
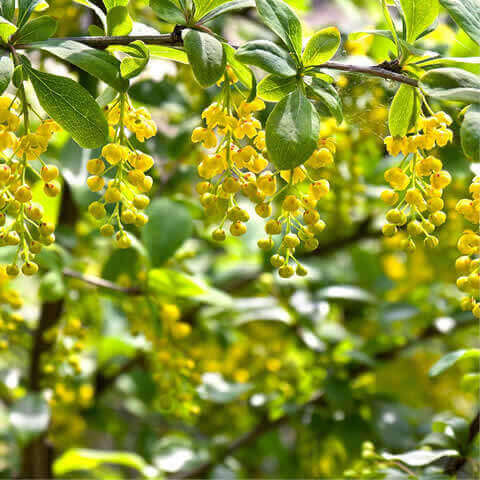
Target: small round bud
[(52, 189), (277, 260), (218, 235), (49, 173), (286, 271), (29, 268), (107, 230), (265, 244)]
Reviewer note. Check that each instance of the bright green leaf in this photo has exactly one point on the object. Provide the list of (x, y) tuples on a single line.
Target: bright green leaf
[(7, 29), (26, 8), (228, 7), (169, 226), (169, 53), (119, 21), (7, 9), (98, 63), (168, 11), (206, 56), (268, 56), (244, 73), (470, 133), (419, 15), (403, 111), (171, 283), (273, 88), (280, 18), (321, 47), (69, 104), (326, 95), (451, 359), (452, 84), (202, 7), (467, 15), (37, 30), (292, 131), (137, 60)]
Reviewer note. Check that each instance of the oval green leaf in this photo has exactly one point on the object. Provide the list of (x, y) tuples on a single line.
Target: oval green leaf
[(273, 88), (268, 56), (470, 133), (419, 15), (206, 56), (321, 47), (292, 131), (168, 11), (119, 21), (403, 112), (69, 104), (467, 15), (452, 84), (169, 226)]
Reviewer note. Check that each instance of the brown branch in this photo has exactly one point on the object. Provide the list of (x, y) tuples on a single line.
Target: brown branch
[(174, 40), (265, 425), (102, 283)]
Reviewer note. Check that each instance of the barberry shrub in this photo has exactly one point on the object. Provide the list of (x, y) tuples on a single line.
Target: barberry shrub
[(216, 220)]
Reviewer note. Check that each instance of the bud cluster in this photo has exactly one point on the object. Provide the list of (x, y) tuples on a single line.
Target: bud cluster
[(468, 265), (124, 193), (21, 219), (418, 182)]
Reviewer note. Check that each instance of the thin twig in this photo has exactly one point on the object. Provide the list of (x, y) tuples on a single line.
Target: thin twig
[(102, 283), (174, 40)]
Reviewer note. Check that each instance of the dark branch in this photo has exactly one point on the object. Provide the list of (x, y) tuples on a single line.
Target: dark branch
[(174, 40), (102, 283)]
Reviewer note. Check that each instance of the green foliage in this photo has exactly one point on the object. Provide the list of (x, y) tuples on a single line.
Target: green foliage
[(321, 47), (467, 14), (403, 111), (137, 60), (37, 30), (292, 131), (168, 11), (6, 71), (419, 15), (169, 226), (281, 19), (206, 56), (273, 88), (451, 359), (71, 106), (470, 133), (119, 21)]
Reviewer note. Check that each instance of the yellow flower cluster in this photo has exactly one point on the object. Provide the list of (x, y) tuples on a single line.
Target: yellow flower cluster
[(25, 228), (174, 371), (238, 165), (418, 182), (123, 200), (468, 265)]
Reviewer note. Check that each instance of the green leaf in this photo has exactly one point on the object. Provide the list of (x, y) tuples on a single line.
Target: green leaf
[(292, 131), (281, 19), (403, 112), (137, 60), (78, 459), (7, 29), (324, 93), (419, 15), (470, 382), (419, 458), (119, 21), (97, 63), (69, 104), (321, 47), (170, 283), (168, 11), (26, 8), (467, 15), (99, 12), (452, 84), (273, 88), (451, 359), (391, 26), (233, 6), (7, 9), (6, 70), (30, 415), (268, 56), (470, 133), (169, 53), (202, 7), (169, 226), (244, 73), (206, 56), (37, 30)]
